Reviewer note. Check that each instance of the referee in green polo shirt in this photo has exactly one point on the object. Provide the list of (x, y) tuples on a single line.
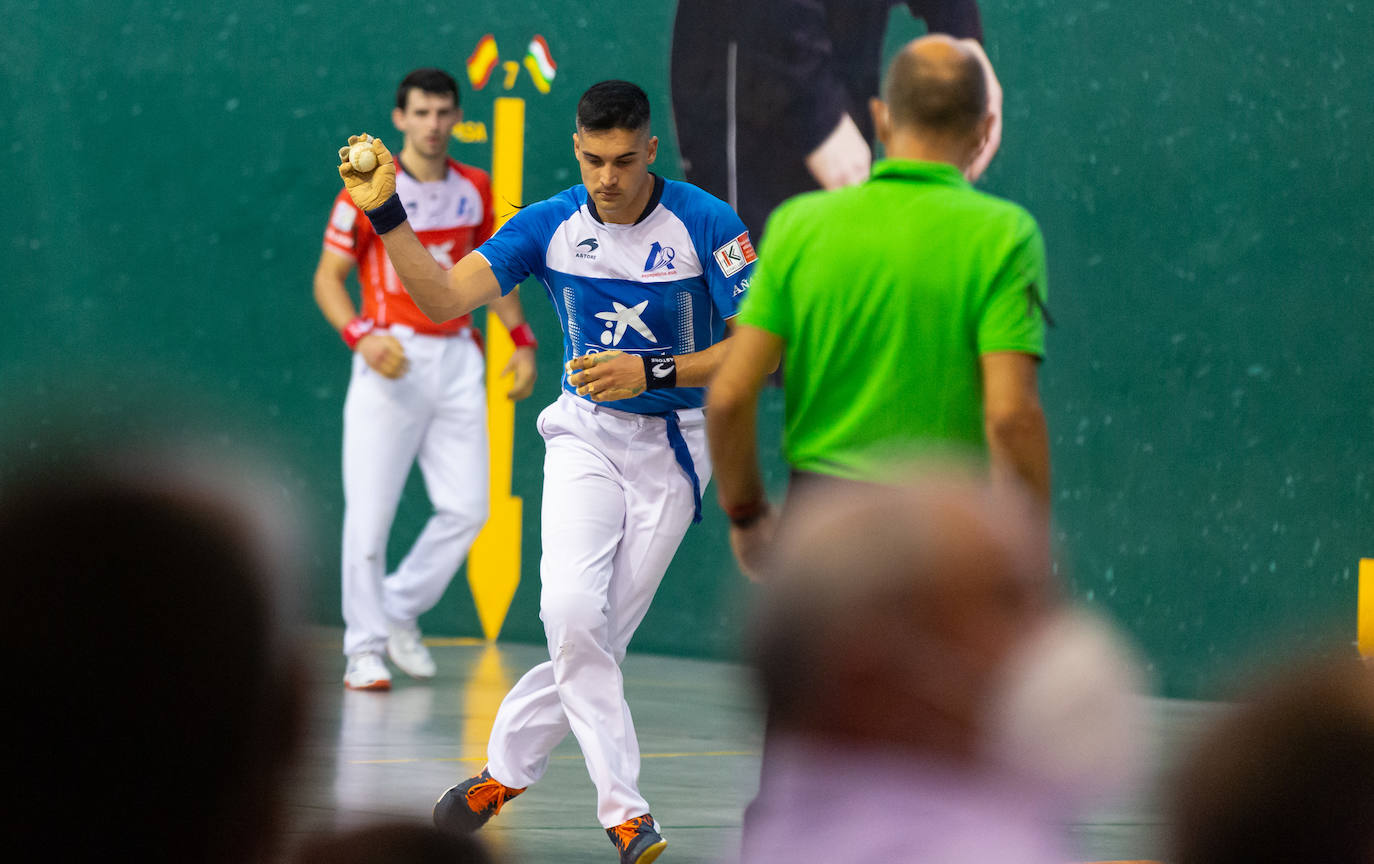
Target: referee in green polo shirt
[(908, 311)]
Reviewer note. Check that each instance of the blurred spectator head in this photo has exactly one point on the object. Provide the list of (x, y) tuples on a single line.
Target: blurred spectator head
[(1288, 775), (924, 617), (394, 844), (155, 700)]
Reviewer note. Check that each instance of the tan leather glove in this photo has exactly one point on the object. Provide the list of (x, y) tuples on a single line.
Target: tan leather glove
[(372, 189)]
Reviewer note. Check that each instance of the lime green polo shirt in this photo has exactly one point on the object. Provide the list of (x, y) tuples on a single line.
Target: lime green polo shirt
[(885, 294)]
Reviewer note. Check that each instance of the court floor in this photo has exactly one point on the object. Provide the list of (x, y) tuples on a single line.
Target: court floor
[(387, 756)]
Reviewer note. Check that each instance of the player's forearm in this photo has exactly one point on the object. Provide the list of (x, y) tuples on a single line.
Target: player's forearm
[(425, 281), (698, 368), (732, 432), (1018, 448), (441, 294), (508, 310), (331, 295)]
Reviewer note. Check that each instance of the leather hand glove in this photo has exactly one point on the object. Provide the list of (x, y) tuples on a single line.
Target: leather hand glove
[(372, 189)]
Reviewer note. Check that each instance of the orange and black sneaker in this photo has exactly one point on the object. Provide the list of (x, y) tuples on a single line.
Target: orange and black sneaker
[(466, 807), (638, 840)]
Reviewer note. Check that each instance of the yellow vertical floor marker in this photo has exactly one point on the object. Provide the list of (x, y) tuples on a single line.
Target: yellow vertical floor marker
[(1364, 627), (483, 691), (494, 562)]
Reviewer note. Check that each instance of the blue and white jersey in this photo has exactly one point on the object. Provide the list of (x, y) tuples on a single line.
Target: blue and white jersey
[(662, 285)]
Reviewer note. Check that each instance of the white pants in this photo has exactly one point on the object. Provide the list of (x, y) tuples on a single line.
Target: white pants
[(616, 505), (436, 412)]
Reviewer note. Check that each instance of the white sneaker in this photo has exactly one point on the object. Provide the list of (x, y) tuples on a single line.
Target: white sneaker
[(406, 650), (366, 671)]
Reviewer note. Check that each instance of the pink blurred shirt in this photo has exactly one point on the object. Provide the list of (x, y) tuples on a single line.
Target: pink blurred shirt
[(819, 804)]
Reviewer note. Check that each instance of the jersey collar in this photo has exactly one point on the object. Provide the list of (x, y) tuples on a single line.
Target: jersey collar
[(452, 165), (654, 198), (926, 172)]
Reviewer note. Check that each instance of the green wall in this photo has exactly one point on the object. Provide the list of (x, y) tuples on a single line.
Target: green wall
[(1202, 176)]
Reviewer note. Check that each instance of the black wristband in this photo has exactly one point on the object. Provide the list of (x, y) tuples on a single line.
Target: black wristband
[(660, 371), (387, 215)]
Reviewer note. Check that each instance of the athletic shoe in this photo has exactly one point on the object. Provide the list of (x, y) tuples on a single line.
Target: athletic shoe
[(637, 840), (366, 671), (466, 807), (406, 650)]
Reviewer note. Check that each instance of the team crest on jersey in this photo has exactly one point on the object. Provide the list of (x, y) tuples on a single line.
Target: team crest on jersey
[(624, 318), (587, 249), (733, 256), (660, 259)]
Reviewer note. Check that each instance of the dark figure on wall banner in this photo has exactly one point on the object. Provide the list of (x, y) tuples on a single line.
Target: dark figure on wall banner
[(771, 96)]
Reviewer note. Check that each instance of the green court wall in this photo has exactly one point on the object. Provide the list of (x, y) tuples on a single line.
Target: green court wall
[(1202, 174)]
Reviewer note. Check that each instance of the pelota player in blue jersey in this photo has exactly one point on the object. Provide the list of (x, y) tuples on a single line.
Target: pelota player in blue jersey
[(645, 274)]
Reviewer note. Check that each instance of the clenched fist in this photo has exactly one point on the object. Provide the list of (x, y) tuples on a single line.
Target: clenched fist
[(368, 189), (383, 352)]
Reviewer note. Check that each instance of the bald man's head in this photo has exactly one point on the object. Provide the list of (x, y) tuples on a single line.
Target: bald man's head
[(893, 609), (937, 86)]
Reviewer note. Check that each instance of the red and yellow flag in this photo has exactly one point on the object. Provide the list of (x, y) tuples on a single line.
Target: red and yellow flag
[(482, 61)]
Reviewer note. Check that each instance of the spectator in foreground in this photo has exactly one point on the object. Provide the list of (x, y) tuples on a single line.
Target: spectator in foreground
[(930, 696), (161, 702), (1288, 776)]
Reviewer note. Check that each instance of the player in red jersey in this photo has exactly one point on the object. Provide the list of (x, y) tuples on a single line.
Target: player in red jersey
[(417, 390)]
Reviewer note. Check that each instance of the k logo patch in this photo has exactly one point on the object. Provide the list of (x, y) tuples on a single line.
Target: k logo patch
[(736, 255)]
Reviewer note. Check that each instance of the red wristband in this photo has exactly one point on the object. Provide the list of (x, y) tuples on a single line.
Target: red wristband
[(746, 515), (523, 336), (355, 330)]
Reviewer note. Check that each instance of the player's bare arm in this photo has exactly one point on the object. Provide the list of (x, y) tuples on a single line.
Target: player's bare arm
[(521, 365), (732, 414), (1014, 422), (609, 375), (381, 350), (732, 431), (441, 295)]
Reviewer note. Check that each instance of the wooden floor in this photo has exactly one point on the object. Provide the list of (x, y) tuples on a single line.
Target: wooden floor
[(387, 756)]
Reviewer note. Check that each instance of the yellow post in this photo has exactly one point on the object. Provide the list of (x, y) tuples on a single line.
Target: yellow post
[(1365, 603), (494, 562)]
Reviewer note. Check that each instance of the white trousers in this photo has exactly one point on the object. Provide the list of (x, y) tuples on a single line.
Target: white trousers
[(436, 413), (616, 505)]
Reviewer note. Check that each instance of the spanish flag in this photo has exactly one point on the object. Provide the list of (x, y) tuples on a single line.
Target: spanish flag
[(540, 63), (482, 61)]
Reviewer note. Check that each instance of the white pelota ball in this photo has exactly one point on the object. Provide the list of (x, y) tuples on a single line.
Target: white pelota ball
[(361, 157)]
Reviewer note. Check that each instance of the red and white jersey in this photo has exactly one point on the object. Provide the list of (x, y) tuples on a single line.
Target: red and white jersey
[(451, 217)]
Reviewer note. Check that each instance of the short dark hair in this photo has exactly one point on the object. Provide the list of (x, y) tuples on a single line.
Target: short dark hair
[(946, 98), (613, 105), (1290, 772), (145, 587), (430, 80)]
